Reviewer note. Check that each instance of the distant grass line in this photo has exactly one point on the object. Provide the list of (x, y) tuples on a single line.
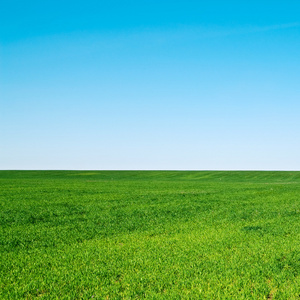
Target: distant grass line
[(269, 176), (149, 234)]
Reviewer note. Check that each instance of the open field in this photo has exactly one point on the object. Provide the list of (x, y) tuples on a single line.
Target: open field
[(149, 234)]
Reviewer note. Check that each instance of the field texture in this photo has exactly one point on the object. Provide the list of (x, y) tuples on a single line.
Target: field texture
[(149, 234)]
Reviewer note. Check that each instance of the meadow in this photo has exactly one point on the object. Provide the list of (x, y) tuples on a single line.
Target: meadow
[(149, 234)]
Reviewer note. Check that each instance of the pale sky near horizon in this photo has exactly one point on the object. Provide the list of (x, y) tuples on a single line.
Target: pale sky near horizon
[(168, 85)]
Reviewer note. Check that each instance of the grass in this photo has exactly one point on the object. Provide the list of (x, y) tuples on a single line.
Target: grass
[(149, 234)]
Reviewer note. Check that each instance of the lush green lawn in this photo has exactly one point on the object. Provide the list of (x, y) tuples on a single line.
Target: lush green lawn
[(155, 235)]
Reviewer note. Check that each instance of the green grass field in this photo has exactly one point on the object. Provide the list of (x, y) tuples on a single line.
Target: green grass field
[(149, 234)]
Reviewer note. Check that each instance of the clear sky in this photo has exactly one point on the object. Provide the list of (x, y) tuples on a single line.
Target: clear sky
[(194, 85)]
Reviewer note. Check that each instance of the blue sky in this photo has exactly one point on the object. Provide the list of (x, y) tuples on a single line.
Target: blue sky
[(192, 85)]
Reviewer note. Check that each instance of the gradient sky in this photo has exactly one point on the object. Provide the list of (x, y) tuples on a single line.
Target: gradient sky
[(194, 85)]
